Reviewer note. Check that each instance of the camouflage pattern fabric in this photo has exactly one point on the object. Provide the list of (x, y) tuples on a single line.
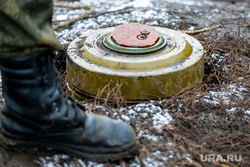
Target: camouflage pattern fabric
[(25, 27)]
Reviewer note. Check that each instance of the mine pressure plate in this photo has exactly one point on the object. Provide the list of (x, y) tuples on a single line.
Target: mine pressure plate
[(134, 38)]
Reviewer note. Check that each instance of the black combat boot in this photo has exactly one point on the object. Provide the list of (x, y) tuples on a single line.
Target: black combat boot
[(38, 114)]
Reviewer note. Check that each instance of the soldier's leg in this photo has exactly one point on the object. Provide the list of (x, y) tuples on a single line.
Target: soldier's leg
[(26, 27), (36, 112)]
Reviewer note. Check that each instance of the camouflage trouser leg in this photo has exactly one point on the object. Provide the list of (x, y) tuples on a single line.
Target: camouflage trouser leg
[(25, 27)]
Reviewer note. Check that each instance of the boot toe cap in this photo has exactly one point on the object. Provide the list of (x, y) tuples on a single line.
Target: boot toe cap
[(123, 133), (107, 132)]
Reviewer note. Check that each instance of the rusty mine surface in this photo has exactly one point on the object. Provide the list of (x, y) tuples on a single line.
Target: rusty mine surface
[(135, 35)]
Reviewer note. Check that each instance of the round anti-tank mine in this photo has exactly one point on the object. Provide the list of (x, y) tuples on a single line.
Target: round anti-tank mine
[(137, 61)]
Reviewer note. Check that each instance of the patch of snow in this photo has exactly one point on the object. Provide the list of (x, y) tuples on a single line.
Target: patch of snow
[(144, 115), (61, 17), (50, 164), (247, 112), (131, 112), (232, 110), (53, 161), (144, 3), (150, 13), (219, 58), (152, 162), (161, 119), (211, 100), (190, 2), (192, 28), (152, 137), (56, 160), (225, 95), (126, 118), (90, 164)]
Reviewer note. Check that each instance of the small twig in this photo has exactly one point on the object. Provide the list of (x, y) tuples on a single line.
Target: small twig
[(246, 25), (122, 163), (201, 30), (90, 111), (121, 11), (91, 10), (192, 162)]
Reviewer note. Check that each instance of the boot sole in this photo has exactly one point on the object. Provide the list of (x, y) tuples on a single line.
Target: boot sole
[(130, 152)]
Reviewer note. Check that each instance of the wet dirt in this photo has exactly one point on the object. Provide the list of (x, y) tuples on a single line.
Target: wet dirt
[(171, 131)]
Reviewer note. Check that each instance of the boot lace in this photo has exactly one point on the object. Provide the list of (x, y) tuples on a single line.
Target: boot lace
[(72, 106)]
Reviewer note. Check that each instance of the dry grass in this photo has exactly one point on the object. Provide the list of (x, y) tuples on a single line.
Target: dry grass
[(113, 96)]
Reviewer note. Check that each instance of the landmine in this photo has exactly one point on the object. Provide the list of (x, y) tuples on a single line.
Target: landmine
[(141, 62)]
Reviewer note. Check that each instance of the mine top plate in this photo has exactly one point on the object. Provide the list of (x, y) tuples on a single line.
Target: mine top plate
[(135, 35)]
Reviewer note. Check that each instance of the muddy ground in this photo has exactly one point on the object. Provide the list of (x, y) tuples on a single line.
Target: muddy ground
[(212, 119)]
